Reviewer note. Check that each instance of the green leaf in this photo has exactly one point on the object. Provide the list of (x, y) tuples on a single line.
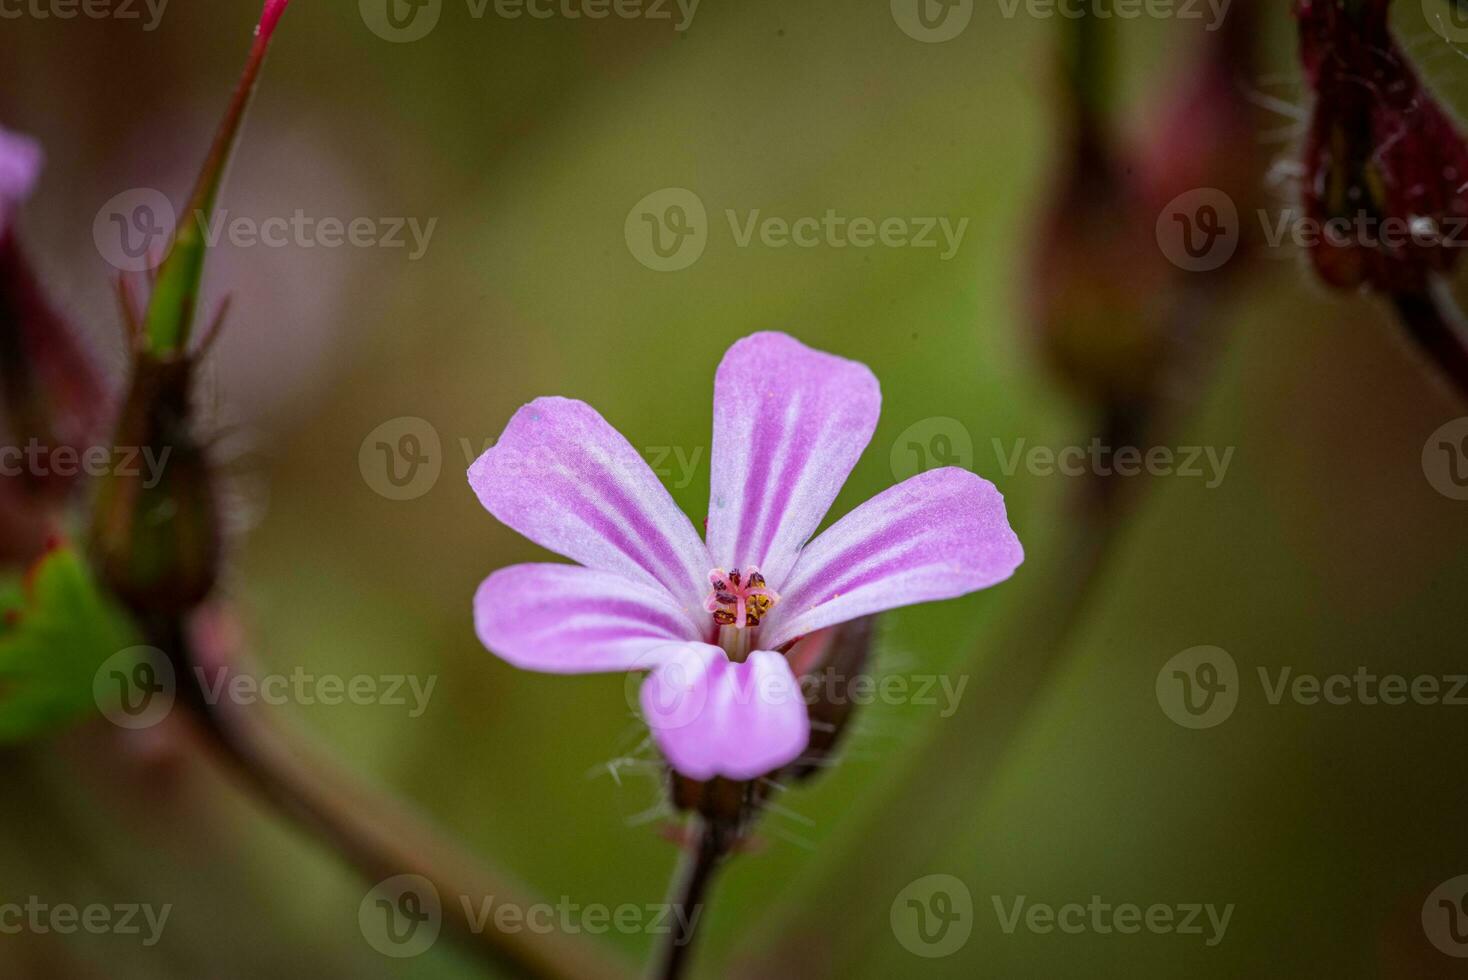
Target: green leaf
[(56, 629)]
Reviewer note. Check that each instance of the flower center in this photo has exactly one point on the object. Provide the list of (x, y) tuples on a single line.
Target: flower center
[(739, 599)]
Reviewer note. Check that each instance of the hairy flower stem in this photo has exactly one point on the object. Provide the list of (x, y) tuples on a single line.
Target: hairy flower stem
[(1437, 326), (378, 836), (708, 845)]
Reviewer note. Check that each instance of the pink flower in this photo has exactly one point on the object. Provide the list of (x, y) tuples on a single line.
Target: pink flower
[(20, 166), (711, 621)]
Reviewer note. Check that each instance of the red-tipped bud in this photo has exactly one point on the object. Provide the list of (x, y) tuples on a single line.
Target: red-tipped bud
[(1385, 168)]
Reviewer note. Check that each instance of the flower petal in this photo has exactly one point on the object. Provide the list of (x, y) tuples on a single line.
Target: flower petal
[(941, 534), (565, 619), (567, 480), (711, 717), (789, 425)]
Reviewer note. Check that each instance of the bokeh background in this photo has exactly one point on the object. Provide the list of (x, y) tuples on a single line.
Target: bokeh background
[(1325, 547)]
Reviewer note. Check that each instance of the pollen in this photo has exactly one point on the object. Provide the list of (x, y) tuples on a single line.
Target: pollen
[(739, 599)]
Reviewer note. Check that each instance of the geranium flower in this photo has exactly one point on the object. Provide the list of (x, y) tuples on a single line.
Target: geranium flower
[(712, 621)]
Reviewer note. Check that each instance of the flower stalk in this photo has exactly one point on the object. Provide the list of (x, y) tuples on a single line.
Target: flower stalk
[(708, 844)]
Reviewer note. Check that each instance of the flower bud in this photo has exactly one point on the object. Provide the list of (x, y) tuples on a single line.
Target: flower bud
[(53, 394), (157, 534), (1385, 168), (1096, 278), (827, 662), (1207, 133), (157, 538), (1097, 286), (52, 399)]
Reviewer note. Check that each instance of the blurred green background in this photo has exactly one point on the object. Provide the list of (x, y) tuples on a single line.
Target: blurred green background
[(1325, 548)]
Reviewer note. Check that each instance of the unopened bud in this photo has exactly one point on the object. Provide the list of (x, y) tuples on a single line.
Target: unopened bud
[(1385, 168), (827, 663), (1098, 288), (52, 399), (157, 538)]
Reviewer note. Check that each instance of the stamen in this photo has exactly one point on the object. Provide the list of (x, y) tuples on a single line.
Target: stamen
[(739, 599)]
